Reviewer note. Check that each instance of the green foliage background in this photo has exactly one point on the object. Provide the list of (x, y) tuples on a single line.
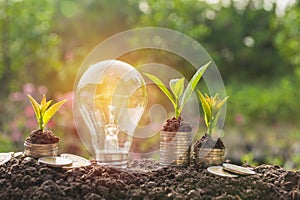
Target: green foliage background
[(255, 46)]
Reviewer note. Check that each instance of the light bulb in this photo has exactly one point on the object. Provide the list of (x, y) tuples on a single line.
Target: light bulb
[(111, 97)]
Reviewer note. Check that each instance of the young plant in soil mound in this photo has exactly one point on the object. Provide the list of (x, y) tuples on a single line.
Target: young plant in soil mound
[(43, 113), (211, 108), (178, 98)]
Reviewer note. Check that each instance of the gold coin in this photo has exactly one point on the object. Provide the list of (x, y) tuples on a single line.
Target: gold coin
[(219, 170), (55, 161), (77, 161), (210, 151), (238, 169), (5, 157), (210, 155), (210, 158)]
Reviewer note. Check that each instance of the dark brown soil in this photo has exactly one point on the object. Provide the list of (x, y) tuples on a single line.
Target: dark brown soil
[(26, 179), (207, 141), (176, 125), (40, 137)]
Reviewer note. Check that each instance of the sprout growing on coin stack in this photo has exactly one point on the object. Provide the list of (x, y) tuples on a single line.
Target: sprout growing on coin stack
[(42, 142), (176, 134), (207, 150), (211, 108), (179, 95)]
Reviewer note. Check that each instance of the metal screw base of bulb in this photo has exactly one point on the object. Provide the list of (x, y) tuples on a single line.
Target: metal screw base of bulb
[(117, 159)]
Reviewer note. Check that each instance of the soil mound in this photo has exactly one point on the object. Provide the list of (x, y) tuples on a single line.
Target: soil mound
[(25, 178), (40, 137), (176, 125), (206, 141)]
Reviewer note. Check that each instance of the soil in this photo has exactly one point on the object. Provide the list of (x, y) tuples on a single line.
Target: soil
[(176, 125), (42, 137), (25, 178), (207, 141)]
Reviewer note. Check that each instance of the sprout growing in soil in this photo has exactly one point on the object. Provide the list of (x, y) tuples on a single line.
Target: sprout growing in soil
[(179, 95), (211, 108), (43, 112)]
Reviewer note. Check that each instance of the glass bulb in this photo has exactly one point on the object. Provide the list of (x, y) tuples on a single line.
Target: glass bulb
[(111, 97)]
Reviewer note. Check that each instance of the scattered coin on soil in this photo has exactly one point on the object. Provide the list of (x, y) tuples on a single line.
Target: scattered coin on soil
[(55, 161), (5, 157), (219, 170), (18, 154), (77, 161), (238, 169)]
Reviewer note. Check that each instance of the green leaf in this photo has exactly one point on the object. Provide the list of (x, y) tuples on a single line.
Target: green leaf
[(206, 109), (51, 111), (36, 107), (220, 104), (192, 85), (43, 100), (162, 87), (45, 106), (217, 104), (177, 86)]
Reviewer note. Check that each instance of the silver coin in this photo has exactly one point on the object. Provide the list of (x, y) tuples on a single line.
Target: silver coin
[(238, 169), (5, 157), (55, 161), (18, 154), (219, 170), (77, 161)]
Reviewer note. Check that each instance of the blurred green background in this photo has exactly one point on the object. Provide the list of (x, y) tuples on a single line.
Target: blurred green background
[(255, 44)]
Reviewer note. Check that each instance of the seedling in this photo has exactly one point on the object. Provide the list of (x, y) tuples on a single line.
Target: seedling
[(211, 108), (43, 111), (179, 95)]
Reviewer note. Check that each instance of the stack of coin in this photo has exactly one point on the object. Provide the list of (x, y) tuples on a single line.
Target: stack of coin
[(175, 148), (209, 156), (40, 150)]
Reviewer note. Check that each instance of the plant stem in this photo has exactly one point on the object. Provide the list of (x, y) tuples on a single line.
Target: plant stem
[(176, 109), (210, 126), (41, 123)]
